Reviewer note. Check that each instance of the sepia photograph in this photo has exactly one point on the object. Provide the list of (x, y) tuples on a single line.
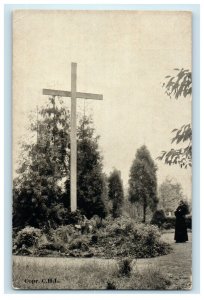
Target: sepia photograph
[(102, 150)]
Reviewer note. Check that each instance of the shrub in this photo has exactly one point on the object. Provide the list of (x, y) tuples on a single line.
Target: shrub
[(80, 244), (74, 217), (63, 234), (96, 222), (53, 247), (171, 221), (125, 267), (94, 239), (158, 218), (47, 252), (110, 285), (58, 215), (27, 237), (167, 226), (119, 226), (123, 237)]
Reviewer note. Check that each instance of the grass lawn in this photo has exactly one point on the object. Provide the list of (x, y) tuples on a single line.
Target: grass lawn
[(172, 271)]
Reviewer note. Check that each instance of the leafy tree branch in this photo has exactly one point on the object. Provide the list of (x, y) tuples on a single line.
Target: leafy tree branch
[(178, 86)]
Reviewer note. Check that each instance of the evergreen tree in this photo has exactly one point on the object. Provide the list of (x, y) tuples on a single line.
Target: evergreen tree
[(39, 195), (143, 181), (36, 190), (116, 194), (91, 195)]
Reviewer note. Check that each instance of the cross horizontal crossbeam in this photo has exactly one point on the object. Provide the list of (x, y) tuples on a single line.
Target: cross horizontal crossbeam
[(68, 94)]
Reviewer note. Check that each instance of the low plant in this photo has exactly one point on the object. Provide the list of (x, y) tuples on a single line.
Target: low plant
[(125, 267), (158, 218), (27, 237), (171, 221), (110, 285), (123, 237), (80, 244)]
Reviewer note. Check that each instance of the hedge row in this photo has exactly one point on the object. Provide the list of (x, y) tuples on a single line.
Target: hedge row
[(170, 222), (164, 222)]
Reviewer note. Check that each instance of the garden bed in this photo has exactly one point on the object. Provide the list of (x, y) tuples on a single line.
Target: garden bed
[(114, 238)]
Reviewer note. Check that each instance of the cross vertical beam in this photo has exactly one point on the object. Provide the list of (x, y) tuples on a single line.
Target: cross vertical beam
[(73, 136), (73, 192)]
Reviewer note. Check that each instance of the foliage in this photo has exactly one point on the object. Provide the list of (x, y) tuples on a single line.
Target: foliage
[(36, 189), (158, 218), (179, 86), (116, 194), (40, 197), (171, 221), (91, 193), (110, 285), (181, 156), (125, 267), (117, 238), (62, 234), (79, 243), (143, 181), (170, 194), (122, 237), (168, 222), (27, 237), (74, 217)]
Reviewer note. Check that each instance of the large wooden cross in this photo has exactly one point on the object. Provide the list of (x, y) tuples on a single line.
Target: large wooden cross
[(74, 95)]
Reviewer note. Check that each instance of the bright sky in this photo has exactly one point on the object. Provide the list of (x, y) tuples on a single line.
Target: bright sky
[(122, 55)]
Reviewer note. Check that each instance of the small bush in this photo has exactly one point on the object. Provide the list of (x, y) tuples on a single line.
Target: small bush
[(53, 247), (125, 267), (110, 285), (171, 222), (58, 215), (80, 244), (123, 237), (94, 239), (63, 234), (24, 251), (47, 252), (27, 237), (158, 218), (74, 217), (96, 222), (119, 226), (167, 226)]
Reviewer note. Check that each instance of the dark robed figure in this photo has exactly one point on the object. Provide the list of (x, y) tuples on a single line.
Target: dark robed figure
[(181, 234)]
